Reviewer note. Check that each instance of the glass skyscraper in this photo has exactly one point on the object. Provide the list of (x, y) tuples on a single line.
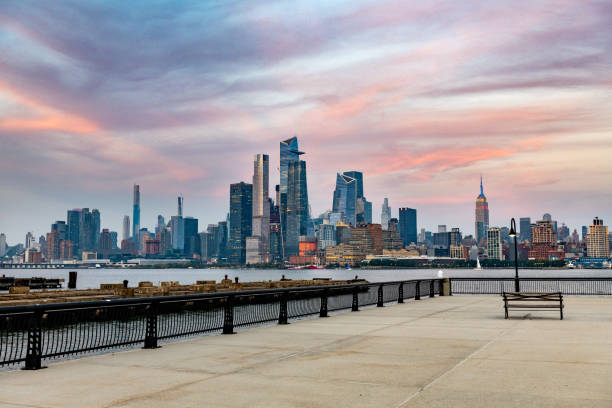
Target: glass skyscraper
[(345, 198), (408, 225), (298, 215), (241, 214), (289, 154), (136, 213)]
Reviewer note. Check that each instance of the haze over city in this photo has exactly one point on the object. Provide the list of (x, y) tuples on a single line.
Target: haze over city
[(422, 99)]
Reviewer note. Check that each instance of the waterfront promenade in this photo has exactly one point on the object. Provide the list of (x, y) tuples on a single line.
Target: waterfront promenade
[(449, 351)]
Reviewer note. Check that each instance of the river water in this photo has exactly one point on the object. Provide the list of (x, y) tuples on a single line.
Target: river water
[(92, 278)]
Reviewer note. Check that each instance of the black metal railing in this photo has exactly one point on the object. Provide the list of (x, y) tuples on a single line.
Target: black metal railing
[(30, 335), (567, 286)]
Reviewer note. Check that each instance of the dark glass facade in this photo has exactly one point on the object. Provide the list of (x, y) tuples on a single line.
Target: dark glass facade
[(190, 228), (241, 213), (408, 225), (297, 207), (345, 198), (289, 153)]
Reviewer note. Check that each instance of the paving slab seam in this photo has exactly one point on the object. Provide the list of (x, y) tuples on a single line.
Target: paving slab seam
[(271, 361), (15, 404), (456, 366)]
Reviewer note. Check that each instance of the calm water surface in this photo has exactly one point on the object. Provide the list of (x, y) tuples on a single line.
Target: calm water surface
[(92, 278)]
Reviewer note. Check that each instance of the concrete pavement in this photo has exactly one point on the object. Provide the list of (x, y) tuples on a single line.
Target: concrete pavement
[(450, 351)]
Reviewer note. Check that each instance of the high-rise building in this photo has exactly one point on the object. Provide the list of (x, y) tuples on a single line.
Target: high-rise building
[(53, 245), (106, 242), (89, 230), (177, 231), (597, 240), (161, 224), (73, 219), (326, 236), (494, 244), (241, 220), (2, 245), (408, 225), (136, 213), (544, 240), (259, 249), (585, 232), (179, 210), (191, 238), (345, 198), (298, 214), (289, 153), (385, 214), (525, 229), (442, 228), (482, 215), (126, 228), (363, 207), (30, 241), (61, 228), (223, 236)]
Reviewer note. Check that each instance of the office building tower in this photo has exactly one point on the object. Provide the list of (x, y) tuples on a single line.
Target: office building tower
[(89, 230), (161, 224), (61, 228), (441, 228), (241, 220), (191, 238), (585, 232), (482, 215), (223, 236), (125, 235), (525, 229), (2, 245), (105, 242), (363, 207), (136, 213), (289, 153), (597, 240), (494, 244), (298, 214), (385, 215), (179, 210), (326, 236), (30, 241), (114, 239), (165, 241), (391, 236), (258, 250), (544, 240), (53, 245), (177, 231), (408, 225), (345, 198)]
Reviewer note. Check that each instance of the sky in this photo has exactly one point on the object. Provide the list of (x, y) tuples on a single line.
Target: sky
[(423, 97)]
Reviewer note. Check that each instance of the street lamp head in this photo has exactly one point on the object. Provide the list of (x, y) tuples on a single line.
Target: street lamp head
[(512, 228)]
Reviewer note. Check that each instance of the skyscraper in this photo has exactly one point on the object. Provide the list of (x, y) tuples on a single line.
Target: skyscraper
[(298, 215), (597, 240), (126, 228), (408, 225), (2, 245), (191, 238), (136, 213), (525, 228), (73, 220), (261, 211), (345, 198), (494, 244), (385, 214), (289, 153), (177, 233), (363, 207), (482, 215), (241, 220), (179, 210)]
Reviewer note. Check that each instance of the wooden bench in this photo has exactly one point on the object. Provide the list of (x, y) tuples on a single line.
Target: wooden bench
[(533, 301)]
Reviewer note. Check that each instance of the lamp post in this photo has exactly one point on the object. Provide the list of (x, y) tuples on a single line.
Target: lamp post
[(517, 287)]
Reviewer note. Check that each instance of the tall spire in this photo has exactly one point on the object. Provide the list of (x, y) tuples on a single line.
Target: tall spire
[(481, 189)]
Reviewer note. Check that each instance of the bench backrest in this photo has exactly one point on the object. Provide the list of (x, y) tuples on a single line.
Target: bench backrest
[(543, 296)]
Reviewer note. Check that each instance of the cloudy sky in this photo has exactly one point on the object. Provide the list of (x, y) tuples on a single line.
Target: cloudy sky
[(422, 96)]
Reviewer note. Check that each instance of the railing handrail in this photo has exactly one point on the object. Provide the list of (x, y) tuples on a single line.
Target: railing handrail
[(196, 296), (531, 278)]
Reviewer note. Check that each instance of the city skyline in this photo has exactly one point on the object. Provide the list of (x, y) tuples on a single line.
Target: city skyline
[(85, 114)]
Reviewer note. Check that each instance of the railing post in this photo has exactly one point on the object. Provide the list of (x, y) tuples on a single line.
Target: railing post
[(380, 296), (151, 332), (355, 306), (228, 316), (400, 296), (323, 311), (431, 288), (282, 316), (450, 286), (440, 287), (417, 294), (34, 350)]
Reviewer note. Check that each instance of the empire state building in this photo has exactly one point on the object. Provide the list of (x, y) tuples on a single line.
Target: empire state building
[(482, 215)]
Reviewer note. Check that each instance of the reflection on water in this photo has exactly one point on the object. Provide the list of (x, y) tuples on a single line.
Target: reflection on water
[(92, 278)]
